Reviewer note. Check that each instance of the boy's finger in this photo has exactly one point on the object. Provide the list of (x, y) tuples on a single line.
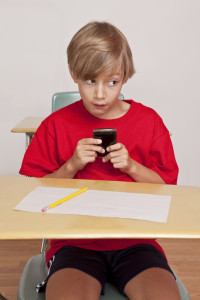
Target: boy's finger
[(106, 158), (114, 147), (97, 149), (92, 147), (91, 141)]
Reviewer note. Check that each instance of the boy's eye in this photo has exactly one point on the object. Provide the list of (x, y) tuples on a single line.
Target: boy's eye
[(90, 81), (112, 82)]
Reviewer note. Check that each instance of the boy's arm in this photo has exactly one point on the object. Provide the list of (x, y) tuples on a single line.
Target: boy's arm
[(135, 170), (121, 160), (65, 171), (85, 152), (141, 173)]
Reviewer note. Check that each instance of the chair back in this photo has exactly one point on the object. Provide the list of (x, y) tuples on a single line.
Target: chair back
[(59, 100)]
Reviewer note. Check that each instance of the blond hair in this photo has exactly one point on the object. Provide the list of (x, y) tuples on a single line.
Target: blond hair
[(97, 47)]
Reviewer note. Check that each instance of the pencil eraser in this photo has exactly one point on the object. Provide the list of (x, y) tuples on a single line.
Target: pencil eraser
[(45, 209)]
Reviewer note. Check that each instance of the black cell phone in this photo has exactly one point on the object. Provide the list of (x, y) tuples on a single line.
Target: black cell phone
[(108, 137)]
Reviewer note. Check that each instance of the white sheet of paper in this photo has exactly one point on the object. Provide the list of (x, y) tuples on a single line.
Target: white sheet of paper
[(99, 203)]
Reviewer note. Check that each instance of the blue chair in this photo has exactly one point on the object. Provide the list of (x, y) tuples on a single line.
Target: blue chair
[(35, 270)]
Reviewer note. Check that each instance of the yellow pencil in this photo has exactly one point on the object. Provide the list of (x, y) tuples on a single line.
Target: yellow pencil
[(64, 199)]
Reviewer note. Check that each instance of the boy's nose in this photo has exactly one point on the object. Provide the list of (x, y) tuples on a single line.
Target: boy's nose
[(99, 92)]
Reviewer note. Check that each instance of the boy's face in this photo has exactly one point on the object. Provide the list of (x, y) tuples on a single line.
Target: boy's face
[(100, 95)]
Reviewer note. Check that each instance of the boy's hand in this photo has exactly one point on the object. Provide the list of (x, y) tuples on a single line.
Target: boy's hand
[(119, 157), (85, 152)]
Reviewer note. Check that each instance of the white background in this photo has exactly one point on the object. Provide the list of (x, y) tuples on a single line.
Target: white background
[(165, 40)]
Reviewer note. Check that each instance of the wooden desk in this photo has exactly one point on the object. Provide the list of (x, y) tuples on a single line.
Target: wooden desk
[(28, 126), (183, 219)]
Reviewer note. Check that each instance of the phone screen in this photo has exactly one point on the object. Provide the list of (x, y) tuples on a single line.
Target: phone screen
[(108, 137)]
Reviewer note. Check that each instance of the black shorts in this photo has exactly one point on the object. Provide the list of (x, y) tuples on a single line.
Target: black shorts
[(117, 267)]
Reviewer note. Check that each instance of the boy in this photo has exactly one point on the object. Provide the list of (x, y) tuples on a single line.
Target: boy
[(100, 62)]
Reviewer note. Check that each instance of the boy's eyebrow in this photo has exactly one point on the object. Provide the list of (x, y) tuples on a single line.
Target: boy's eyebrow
[(115, 74)]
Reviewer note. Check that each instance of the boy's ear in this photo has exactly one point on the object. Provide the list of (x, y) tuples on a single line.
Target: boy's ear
[(72, 75)]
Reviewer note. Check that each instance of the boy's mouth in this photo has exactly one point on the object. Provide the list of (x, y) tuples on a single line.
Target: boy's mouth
[(99, 106)]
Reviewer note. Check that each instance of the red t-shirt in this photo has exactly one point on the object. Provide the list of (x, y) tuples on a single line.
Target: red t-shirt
[(142, 132)]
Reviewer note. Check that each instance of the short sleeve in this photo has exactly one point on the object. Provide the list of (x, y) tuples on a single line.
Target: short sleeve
[(161, 156), (41, 157)]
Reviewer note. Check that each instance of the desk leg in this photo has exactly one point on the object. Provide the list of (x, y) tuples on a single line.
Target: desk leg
[(44, 246), (29, 136)]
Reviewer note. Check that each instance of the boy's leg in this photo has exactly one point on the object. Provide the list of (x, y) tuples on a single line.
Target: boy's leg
[(72, 284), (142, 273), (153, 284)]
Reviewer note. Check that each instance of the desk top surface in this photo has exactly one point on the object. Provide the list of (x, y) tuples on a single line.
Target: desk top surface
[(28, 125), (183, 220)]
